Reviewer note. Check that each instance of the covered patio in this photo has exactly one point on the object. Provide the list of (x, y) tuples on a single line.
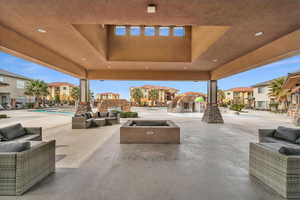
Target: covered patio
[(136, 40), (210, 163)]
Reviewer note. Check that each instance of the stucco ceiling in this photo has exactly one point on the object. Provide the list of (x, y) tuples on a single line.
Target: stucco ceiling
[(71, 50)]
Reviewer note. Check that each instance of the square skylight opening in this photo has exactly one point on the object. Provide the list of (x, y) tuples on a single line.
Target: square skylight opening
[(149, 31), (178, 31), (120, 30), (164, 31), (135, 30)]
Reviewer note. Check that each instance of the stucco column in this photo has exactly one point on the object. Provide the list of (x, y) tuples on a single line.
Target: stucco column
[(212, 113), (84, 104)]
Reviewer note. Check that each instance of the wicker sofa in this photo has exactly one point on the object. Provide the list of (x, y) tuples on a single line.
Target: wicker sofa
[(88, 120), (27, 133), (19, 171), (275, 168)]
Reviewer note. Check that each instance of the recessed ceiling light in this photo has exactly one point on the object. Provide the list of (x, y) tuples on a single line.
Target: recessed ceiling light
[(146, 67), (215, 60), (84, 59), (108, 66), (41, 30), (184, 67), (259, 34), (151, 8)]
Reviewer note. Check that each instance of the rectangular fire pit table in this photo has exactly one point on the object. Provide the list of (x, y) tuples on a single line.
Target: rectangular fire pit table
[(149, 132)]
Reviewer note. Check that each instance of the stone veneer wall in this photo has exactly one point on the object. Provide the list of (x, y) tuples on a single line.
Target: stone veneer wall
[(83, 108), (212, 114), (296, 117), (109, 103)]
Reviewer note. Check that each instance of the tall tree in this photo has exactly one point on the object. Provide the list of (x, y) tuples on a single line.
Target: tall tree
[(221, 96), (38, 89), (75, 92), (154, 95), (137, 95), (278, 92)]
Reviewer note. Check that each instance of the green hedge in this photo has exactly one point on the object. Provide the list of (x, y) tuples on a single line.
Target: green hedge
[(237, 107), (128, 114), (3, 116)]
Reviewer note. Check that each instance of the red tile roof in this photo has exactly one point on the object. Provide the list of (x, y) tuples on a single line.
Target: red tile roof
[(194, 94), (107, 93), (241, 89), (56, 84), (155, 87)]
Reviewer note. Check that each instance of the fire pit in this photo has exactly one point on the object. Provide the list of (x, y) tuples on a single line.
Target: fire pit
[(149, 132)]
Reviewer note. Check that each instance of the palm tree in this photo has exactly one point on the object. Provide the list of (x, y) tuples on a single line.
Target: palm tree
[(221, 96), (137, 95), (75, 92), (153, 95), (38, 89), (279, 93)]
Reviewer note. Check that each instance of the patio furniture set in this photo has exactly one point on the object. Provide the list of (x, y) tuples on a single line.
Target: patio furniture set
[(24, 159), (275, 160), (89, 119)]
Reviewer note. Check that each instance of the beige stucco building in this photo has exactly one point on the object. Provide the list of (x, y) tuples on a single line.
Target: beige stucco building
[(13, 89), (165, 94), (261, 96), (60, 89), (240, 95), (107, 95)]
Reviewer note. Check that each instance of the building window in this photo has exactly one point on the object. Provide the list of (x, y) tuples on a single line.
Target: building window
[(65, 88), (149, 31), (260, 90), (228, 93), (1, 78), (260, 104), (178, 31), (20, 84), (164, 31), (135, 30), (120, 30)]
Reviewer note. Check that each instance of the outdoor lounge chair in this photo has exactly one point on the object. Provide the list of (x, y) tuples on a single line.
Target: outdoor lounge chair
[(19, 171)]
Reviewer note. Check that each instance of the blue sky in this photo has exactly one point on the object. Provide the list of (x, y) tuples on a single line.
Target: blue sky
[(266, 72)]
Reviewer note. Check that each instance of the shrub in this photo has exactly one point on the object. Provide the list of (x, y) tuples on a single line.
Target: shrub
[(29, 105), (128, 114), (3, 116), (237, 107)]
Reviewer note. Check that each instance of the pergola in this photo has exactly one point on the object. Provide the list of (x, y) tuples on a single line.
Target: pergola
[(221, 38)]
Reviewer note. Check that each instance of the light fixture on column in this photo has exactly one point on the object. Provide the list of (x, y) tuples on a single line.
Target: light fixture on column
[(146, 67), (215, 60), (258, 34), (151, 8), (41, 30), (185, 68)]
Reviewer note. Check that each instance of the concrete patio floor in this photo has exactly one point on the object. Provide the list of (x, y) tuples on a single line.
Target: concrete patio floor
[(211, 163)]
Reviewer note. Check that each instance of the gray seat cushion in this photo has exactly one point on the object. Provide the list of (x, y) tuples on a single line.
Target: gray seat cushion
[(27, 138), (12, 132), (279, 142), (289, 151), (14, 146), (103, 114), (288, 134)]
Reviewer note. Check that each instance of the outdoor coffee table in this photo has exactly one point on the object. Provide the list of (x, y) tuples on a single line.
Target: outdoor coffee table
[(278, 171)]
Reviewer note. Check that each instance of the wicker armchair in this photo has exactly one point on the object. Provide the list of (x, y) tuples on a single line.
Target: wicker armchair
[(21, 170)]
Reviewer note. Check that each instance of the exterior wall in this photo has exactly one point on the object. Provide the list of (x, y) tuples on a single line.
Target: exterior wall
[(164, 95), (102, 96), (262, 99), (239, 97), (13, 93), (64, 92)]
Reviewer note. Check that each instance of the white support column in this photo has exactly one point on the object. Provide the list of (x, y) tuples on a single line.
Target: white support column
[(212, 113)]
